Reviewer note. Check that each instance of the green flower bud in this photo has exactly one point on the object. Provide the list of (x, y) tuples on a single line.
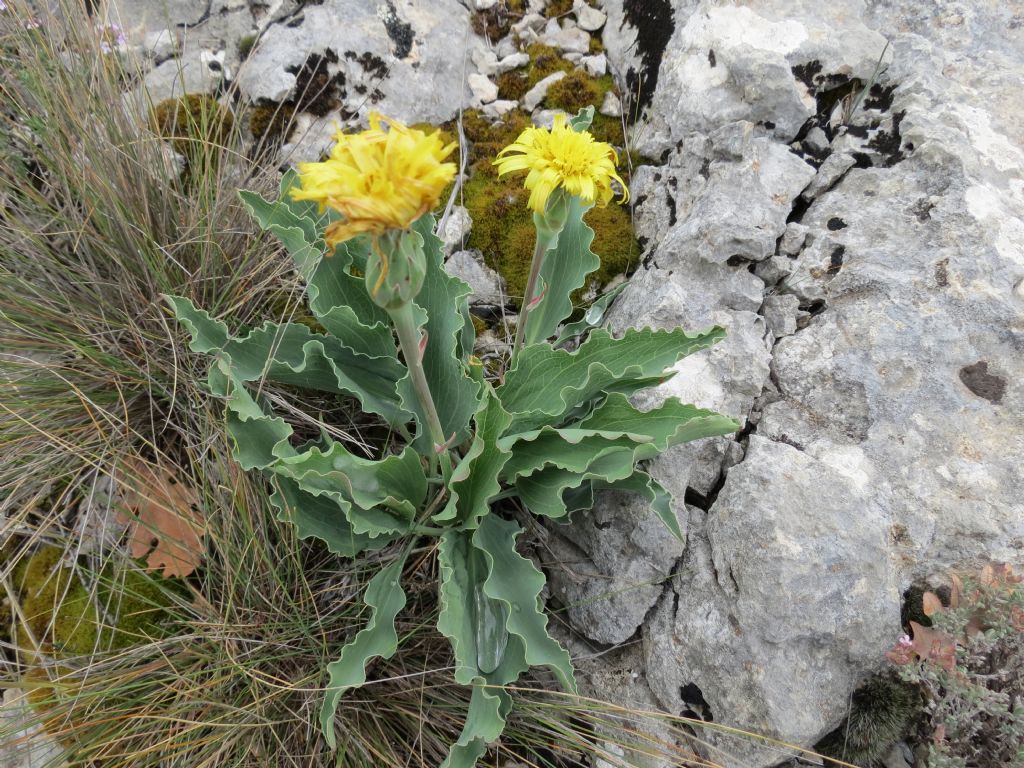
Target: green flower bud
[(395, 268)]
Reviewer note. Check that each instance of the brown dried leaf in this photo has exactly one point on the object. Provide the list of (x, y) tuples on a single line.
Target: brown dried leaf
[(930, 603), (165, 524), (956, 593), (934, 645)]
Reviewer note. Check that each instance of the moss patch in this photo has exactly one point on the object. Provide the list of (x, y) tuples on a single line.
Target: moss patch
[(269, 122), (245, 45), (122, 608), (503, 231), (557, 8), (544, 61), (574, 92), (192, 122), (486, 139)]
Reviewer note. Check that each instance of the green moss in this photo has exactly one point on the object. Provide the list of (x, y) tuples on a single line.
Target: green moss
[(478, 323), (61, 610), (558, 8), (881, 712), (503, 231), (191, 122), (245, 45), (544, 61), (574, 92), (512, 85), (486, 139), (596, 45), (269, 122)]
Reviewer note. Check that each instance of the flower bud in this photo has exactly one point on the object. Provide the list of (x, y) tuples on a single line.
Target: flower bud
[(395, 268)]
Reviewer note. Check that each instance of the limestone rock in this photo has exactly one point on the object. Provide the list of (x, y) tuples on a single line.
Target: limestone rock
[(395, 58), (488, 287)]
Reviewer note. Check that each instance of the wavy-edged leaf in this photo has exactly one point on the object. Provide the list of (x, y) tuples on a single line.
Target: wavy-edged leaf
[(671, 423), (547, 383), (488, 708), (322, 518), (564, 270), (544, 492), (514, 580), (475, 480), (379, 497), (658, 499), (385, 597), (569, 449), (290, 353), (473, 622), (442, 302), (593, 317)]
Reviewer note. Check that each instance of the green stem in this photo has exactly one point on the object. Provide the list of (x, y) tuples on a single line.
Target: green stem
[(409, 339), (544, 243)]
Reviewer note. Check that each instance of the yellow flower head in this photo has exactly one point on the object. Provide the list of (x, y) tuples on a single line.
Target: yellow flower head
[(562, 158), (377, 179)]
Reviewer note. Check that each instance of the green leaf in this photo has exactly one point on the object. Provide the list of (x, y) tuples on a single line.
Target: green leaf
[(582, 120), (473, 622), (568, 448), (385, 597), (659, 499), (322, 518), (515, 581), (547, 383), (564, 269), (669, 424), (592, 318), (341, 304), (442, 302), (379, 497), (488, 708), (544, 492), (475, 480), (208, 335)]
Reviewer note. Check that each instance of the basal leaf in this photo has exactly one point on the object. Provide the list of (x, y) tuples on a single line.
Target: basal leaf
[(383, 494), (385, 597), (544, 491), (488, 708), (669, 424), (473, 622), (320, 517), (547, 383), (475, 480), (514, 580)]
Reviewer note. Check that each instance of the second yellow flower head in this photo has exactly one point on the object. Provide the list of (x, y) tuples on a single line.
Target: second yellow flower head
[(377, 179), (562, 158)]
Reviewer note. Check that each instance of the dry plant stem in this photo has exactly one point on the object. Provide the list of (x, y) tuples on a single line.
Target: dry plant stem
[(545, 242), (409, 340)]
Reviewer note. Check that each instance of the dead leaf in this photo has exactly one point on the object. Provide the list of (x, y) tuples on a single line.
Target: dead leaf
[(956, 592), (165, 524), (934, 645), (930, 603)]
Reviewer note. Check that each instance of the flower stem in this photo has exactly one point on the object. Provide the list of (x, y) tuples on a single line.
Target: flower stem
[(544, 243), (409, 339)]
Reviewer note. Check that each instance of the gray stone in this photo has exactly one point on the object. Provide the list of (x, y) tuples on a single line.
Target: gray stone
[(397, 60), (486, 61), (488, 287), (596, 66), (587, 17), (793, 238), (533, 97), (818, 556), (743, 209), (831, 171), (457, 227), (25, 745), (513, 61), (566, 37), (496, 109), (484, 91), (780, 312), (611, 106), (610, 564)]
